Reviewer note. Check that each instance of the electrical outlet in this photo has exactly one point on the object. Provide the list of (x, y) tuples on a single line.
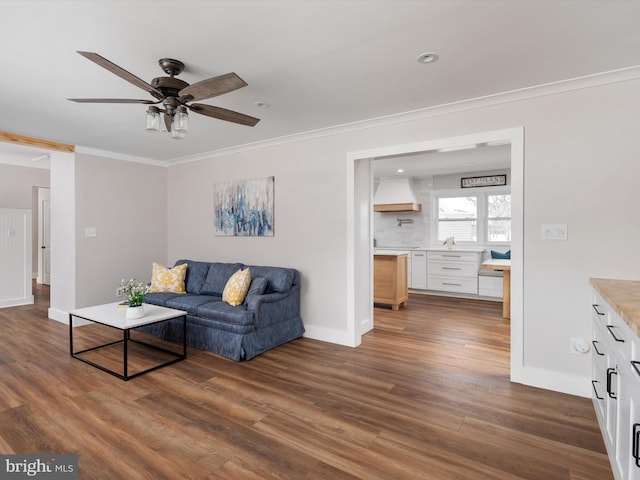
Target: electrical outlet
[(90, 232), (578, 346)]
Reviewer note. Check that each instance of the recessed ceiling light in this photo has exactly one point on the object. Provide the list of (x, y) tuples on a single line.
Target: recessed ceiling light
[(262, 104), (400, 170), (428, 57)]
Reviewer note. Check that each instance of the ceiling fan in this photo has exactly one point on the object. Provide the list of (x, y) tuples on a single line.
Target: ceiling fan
[(175, 95)]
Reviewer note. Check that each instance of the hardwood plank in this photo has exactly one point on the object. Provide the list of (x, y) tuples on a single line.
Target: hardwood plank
[(426, 395)]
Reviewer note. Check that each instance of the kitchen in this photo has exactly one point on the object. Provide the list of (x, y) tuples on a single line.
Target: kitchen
[(422, 200)]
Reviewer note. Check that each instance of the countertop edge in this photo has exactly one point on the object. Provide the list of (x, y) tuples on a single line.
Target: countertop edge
[(623, 296)]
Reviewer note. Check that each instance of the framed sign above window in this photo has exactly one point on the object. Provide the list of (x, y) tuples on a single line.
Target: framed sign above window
[(486, 181)]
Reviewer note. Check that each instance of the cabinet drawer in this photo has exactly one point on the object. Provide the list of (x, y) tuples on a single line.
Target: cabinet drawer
[(454, 256), (453, 284), (620, 335), (456, 269)]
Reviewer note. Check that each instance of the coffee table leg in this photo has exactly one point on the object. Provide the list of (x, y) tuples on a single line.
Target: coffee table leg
[(126, 348), (70, 335)]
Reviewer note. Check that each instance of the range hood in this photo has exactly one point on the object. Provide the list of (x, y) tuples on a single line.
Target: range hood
[(395, 195)]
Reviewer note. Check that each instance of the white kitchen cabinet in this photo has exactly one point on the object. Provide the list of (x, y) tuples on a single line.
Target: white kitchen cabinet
[(616, 383), (418, 269), (453, 270)]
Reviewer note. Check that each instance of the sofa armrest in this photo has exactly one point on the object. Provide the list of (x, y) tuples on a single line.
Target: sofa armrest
[(271, 308)]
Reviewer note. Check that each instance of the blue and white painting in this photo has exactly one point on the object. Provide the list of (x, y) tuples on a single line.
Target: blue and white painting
[(244, 208)]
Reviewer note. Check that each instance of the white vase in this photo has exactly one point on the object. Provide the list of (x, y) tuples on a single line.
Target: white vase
[(135, 312)]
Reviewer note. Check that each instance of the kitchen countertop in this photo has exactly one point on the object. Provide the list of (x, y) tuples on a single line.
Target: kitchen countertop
[(434, 249), (624, 298), (390, 252)]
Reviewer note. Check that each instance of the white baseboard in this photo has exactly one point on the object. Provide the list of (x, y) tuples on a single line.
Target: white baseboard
[(63, 317), (556, 381), (14, 302), (58, 315), (329, 335)]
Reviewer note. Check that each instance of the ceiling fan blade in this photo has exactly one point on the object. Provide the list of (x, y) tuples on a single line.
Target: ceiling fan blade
[(112, 100), (211, 87), (122, 73), (168, 121), (223, 114)]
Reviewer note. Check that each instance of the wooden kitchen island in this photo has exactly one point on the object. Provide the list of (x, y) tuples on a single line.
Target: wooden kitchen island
[(390, 285)]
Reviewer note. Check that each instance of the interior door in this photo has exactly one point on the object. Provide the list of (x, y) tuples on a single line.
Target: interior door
[(46, 244), (44, 236)]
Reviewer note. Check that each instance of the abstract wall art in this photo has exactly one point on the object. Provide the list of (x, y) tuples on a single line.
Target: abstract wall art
[(244, 208)]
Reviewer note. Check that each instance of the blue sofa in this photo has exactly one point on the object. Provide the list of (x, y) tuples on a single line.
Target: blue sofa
[(269, 316)]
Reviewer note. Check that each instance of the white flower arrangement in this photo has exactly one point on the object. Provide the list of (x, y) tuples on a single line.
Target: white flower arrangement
[(449, 242), (135, 292)]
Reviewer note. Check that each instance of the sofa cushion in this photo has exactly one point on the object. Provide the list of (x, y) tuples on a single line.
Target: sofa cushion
[(160, 298), (165, 279), (278, 279), (190, 303), (225, 313), (217, 277), (258, 287), (196, 275), (502, 256), (237, 287)]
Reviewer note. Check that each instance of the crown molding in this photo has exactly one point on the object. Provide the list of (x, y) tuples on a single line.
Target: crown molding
[(562, 86), (118, 156)]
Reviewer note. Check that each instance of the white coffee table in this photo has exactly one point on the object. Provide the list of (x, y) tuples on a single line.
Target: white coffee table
[(114, 316)]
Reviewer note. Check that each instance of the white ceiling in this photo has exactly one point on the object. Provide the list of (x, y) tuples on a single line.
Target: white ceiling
[(481, 158), (317, 63)]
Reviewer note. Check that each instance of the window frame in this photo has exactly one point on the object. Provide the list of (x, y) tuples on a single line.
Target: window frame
[(482, 212)]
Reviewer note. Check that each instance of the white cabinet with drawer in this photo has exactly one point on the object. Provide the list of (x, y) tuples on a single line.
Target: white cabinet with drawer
[(616, 372), (418, 269), (453, 270)]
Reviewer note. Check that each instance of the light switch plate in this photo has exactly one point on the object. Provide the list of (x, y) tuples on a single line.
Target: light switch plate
[(556, 231), (90, 232)]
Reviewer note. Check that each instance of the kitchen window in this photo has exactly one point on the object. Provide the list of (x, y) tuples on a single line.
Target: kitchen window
[(479, 217), (458, 217)]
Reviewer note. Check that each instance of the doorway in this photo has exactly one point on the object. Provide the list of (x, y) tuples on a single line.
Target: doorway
[(360, 230), (44, 236)]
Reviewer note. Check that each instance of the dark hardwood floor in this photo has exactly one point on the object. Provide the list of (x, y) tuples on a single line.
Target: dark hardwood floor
[(426, 395)]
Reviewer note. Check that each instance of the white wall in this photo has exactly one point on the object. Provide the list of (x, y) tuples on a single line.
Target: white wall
[(63, 242), (126, 203), (17, 191), (15, 257), (580, 168)]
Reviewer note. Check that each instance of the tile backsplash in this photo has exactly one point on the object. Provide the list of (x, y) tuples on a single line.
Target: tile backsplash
[(417, 234)]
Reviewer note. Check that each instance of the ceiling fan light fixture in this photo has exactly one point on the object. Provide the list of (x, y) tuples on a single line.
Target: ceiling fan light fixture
[(153, 119), (180, 120)]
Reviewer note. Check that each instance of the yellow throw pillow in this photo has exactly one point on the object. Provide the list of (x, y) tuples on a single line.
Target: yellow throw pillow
[(165, 279), (237, 287)]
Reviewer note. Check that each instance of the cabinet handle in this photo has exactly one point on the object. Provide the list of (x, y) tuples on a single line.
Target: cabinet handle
[(595, 390), (595, 307), (610, 328), (595, 348), (451, 268), (611, 371), (452, 256), (418, 254), (635, 443), (452, 284), (635, 364)]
